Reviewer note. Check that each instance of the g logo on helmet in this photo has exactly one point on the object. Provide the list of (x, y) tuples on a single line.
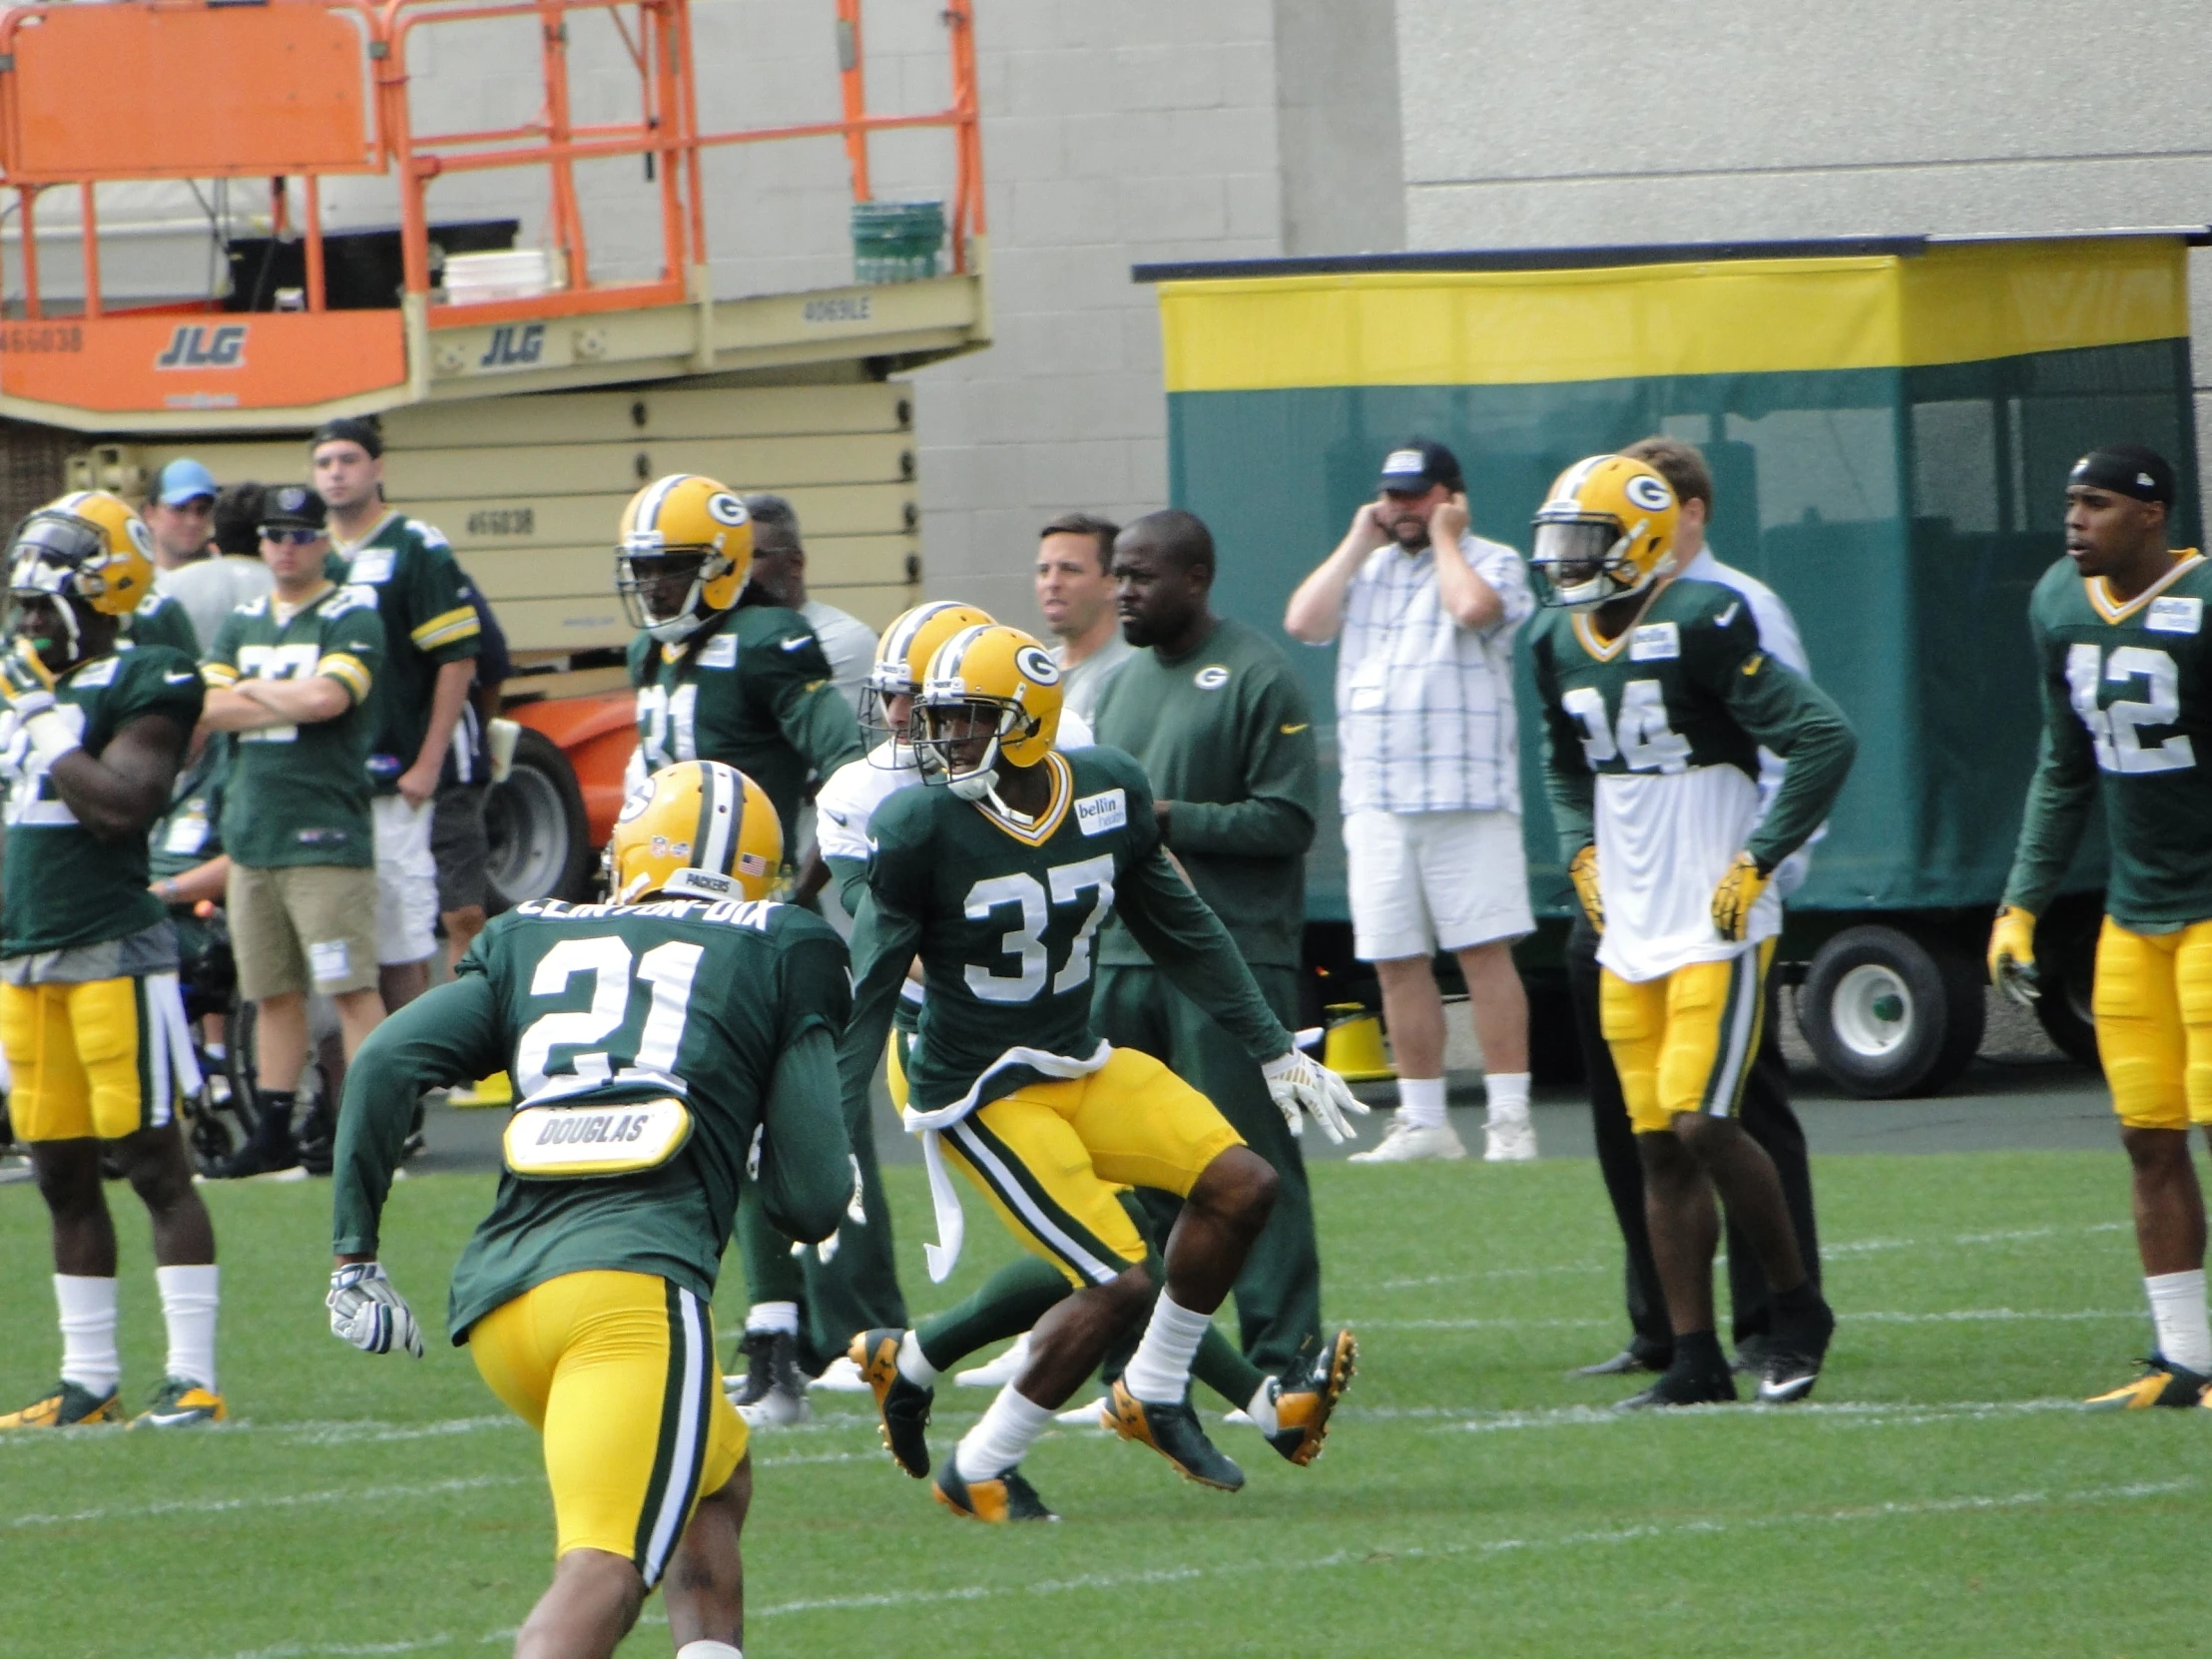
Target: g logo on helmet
[(141, 537), (1649, 494), (1036, 666), (724, 508), (635, 803), (1211, 678)]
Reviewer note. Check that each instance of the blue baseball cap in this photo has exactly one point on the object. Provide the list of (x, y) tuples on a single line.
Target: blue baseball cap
[(184, 480)]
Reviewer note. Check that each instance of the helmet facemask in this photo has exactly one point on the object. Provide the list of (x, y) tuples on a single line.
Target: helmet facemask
[(1583, 561), (890, 739), (48, 562), (664, 589), (943, 724)]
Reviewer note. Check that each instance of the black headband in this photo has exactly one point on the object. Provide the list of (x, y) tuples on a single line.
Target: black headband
[(2126, 469)]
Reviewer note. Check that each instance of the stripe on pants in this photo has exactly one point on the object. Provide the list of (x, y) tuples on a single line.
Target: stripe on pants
[(682, 1449), (1738, 1035), (1053, 1227)]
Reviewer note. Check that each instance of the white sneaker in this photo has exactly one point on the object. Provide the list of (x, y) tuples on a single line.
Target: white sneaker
[(1090, 1413), (1409, 1143), (842, 1377), (996, 1374), (1510, 1142)]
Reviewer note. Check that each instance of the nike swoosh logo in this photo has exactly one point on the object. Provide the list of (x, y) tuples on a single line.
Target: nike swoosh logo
[(162, 1419), (1292, 731), (178, 679), (800, 643), (1752, 666), (1729, 615)]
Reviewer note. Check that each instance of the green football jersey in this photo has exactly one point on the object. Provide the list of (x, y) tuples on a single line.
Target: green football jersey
[(421, 597), (299, 795), (751, 689), (2127, 717), (65, 888), (191, 832), (1004, 913), (601, 1004), (160, 620)]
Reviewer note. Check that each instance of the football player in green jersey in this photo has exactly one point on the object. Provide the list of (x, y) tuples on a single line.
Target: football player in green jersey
[(2125, 664), (89, 1010), (1656, 697), (661, 1044), (998, 879), (723, 674)]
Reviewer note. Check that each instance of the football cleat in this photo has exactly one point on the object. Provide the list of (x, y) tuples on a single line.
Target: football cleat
[(1173, 1432), (2163, 1383), (1408, 1143), (70, 1405), (1302, 1409), (1627, 1362), (179, 1403), (1789, 1360), (1003, 1498), (772, 1394), (902, 1406), (1683, 1387)]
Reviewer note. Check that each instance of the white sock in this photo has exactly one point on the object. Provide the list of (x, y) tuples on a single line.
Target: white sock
[(1420, 1102), (2177, 1309), (1260, 1408), (708, 1650), (913, 1367), (88, 1358), (188, 1299), (997, 1444), (773, 1316), (1159, 1372), (1508, 1096)]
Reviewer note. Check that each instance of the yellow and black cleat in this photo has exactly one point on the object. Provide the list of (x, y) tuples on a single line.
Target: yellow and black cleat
[(68, 1407), (1303, 1408), (1003, 1498), (1172, 1431), (902, 1406), (2163, 1383), (182, 1404)]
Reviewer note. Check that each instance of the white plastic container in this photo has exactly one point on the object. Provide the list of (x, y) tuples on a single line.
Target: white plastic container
[(510, 274)]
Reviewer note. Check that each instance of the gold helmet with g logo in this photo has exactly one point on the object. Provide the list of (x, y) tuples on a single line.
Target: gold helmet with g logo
[(989, 682), (902, 658), (86, 545), (682, 554), (1606, 531), (696, 829)]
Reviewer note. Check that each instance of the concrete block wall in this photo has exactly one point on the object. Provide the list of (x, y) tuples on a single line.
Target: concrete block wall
[(1608, 122)]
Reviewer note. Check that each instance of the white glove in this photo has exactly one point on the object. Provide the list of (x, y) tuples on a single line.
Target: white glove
[(366, 1311), (1302, 1087)]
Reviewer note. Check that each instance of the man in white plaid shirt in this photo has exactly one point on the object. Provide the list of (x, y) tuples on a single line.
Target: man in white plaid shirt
[(1426, 615)]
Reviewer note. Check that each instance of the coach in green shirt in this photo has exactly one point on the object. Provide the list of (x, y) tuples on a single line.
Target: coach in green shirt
[(1217, 717)]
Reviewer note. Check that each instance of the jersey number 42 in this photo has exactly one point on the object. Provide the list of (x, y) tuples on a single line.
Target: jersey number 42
[(2113, 727)]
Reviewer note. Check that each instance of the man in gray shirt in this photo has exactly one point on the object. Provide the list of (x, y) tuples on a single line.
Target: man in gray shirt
[(1076, 594)]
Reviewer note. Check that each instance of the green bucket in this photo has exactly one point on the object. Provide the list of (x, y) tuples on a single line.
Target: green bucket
[(896, 241)]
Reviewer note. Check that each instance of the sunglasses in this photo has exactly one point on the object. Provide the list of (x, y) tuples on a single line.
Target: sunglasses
[(292, 538)]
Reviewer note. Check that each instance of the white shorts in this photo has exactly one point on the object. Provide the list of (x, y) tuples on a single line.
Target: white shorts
[(407, 882), (1421, 882)]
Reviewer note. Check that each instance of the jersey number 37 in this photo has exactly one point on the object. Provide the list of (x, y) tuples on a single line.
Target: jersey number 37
[(1025, 943)]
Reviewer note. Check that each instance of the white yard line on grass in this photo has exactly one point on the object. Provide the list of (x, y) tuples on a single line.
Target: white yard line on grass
[(1844, 1316), (1455, 1420), (267, 1500)]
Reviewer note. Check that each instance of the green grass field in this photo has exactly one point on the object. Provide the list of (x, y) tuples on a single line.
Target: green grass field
[(1941, 1497)]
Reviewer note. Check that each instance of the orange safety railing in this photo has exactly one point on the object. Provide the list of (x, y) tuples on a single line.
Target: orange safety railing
[(190, 99)]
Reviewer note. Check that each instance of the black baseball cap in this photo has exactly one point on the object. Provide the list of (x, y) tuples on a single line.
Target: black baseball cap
[(294, 507), (348, 429), (2126, 469), (1418, 465)]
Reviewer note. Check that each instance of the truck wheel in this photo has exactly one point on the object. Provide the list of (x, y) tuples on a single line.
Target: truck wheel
[(1887, 1015), (540, 840), (2066, 960)]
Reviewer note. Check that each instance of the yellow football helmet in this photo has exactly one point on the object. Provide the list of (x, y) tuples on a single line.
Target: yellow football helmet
[(696, 829), (902, 658), (682, 554), (993, 682), (87, 547), (1606, 531)]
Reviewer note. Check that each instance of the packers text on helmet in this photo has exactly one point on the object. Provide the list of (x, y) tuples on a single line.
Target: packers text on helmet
[(1606, 531), (682, 554), (902, 658), (696, 829), (992, 693), (85, 548)]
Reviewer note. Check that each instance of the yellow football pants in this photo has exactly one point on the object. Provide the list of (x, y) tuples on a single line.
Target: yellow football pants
[(93, 1059), (617, 1371), (2154, 1009), (1684, 1042), (1050, 1158)]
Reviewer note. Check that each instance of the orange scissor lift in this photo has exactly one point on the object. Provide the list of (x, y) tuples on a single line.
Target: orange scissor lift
[(517, 423)]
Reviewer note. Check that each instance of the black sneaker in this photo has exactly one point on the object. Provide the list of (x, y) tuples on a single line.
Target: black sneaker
[(317, 1142), (1627, 1362), (773, 1394), (903, 1406), (1173, 1432), (263, 1157), (1678, 1385), (1790, 1360)]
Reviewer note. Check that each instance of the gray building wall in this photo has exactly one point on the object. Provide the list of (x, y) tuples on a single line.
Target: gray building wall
[(1604, 121)]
